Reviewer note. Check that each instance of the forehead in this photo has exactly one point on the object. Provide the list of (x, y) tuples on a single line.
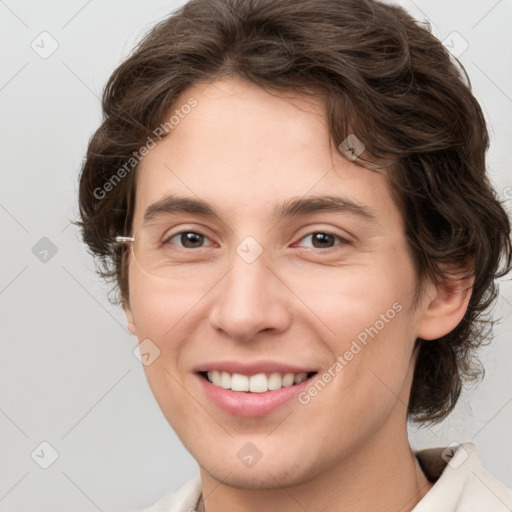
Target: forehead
[(244, 149)]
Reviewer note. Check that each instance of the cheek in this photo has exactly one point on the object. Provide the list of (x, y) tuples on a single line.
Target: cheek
[(159, 313), (165, 313), (160, 308), (370, 331), (356, 301), (367, 381), (372, 350)]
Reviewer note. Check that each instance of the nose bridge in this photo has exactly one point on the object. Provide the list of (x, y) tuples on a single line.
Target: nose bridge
[(248, 299)]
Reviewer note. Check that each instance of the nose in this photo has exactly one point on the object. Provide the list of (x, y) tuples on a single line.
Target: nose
[(249, 300)]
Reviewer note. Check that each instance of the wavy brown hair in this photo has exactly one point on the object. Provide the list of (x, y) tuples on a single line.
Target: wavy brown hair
[(383, 77)]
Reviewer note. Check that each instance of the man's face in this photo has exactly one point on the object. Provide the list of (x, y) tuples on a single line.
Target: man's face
[(250, 292)]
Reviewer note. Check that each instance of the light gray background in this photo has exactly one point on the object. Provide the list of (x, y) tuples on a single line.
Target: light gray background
[(68, 373)]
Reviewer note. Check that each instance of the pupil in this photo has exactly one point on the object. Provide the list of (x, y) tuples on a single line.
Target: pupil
[(322, 238), (190, 240)]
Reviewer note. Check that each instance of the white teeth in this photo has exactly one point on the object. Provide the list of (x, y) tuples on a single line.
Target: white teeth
[(216, 377), (288, 380), (259, 383), (225, 380), (239, 382), (274, 381), (300, 377)]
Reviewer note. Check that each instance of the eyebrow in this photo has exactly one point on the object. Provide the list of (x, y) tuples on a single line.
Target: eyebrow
[(294, 207)]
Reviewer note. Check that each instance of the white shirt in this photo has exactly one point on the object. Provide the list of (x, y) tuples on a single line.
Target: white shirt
[(461, 485)]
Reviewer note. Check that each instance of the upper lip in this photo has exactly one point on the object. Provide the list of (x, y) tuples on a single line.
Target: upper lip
[(252, 368)]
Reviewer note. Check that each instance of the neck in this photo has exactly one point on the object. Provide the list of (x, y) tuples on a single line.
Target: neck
[(383, 475)]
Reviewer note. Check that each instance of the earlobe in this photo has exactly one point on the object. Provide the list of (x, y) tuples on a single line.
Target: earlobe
[(129, 319), (443, 308)]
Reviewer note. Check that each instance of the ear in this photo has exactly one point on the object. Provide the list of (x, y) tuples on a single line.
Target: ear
[(129, 318), (443, 307)]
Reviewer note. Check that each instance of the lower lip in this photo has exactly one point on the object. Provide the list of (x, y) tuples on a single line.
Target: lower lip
[(251, 405)]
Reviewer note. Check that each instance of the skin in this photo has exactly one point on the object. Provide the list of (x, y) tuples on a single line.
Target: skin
[(244, 150)]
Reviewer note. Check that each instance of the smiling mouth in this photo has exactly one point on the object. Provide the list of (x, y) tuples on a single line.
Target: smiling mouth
[(258, 383)]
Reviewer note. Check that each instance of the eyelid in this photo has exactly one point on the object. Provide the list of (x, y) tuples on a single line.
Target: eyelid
[(167, 238), (342, 239), (184, 228), (316, 227)]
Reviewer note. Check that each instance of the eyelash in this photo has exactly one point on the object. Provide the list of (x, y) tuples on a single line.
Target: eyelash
[(343, 241)]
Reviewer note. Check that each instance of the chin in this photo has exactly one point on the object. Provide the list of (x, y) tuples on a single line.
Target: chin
[(269, 474)]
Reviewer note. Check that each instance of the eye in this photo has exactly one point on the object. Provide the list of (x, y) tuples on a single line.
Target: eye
[(324, 240), (187, 240), (195, 240)]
